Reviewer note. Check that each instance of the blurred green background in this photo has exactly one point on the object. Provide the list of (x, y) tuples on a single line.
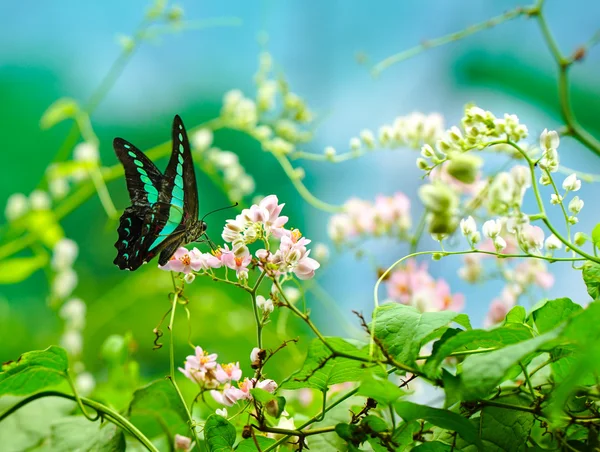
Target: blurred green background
[(54, 50)]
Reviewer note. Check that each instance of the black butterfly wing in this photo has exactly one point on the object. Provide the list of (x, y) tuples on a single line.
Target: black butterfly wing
[(144, 180), (179, 182)]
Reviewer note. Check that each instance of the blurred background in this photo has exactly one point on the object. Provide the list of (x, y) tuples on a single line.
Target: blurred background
[(326, 50)]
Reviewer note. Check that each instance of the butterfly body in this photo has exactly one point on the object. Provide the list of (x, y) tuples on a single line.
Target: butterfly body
[(164, 207)]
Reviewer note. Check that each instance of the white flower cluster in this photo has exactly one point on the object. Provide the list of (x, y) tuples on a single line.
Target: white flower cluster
[(18, 205), (86, 157), (507, 189), (65, 279), (413, 130), (238, 183), (570, 184)]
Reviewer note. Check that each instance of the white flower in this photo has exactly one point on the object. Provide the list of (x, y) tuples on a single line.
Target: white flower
[(16, 206), (521, 175), (72, 342), (189, 278), (292, 294), (321, 252), (549, 139), (571, 183), (579, 238), (39, 200), (86, 152), (367, 137), (202, 139), (575, 205), (85, 383), (329, 152), (555, 199), (545, 179), (58, 187), (553, 243), (73, 313), (254, 355), (265, 304), (355, 143), (468, 226), (64, 254), (491, 228), (221, 412), (64, 283), (573, 220), (499, 243)]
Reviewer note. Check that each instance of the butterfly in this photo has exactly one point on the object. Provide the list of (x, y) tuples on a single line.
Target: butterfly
[(164, 207)]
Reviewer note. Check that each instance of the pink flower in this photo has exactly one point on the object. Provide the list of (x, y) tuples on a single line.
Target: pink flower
[(238, 263), (183, 261), (447, 301), (228, 372), (200, 366), (393, 210), (531, 238), (183, 443), (232, 395), (403, 283), (362, 214), (293, 256), (207, 260), (497, 312), (274, 223)]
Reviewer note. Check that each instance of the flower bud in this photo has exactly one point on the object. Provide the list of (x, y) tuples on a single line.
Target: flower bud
[(464, 167), (549, 139), (427, 151), (553, 243), (422, 164), (492, 228), (442, 224), (330, 153), (16, 206), (438, 198), (575, 205), (571, 183), (367, 138), (202, 139), (499, 243), (579, 238), (355, 144), (468, 226)]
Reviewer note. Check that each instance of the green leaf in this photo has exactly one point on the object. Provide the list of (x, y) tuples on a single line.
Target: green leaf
[(403, 329), (29, 426), (404, 434), (78, 433), (473, 340), (553, 313), (432, 446), (482, 373), (44, 225), (374, 423), (34, 371), (156, 409), (18, 269), (507, 429), (320, 371), (596, 235), (274, 404), (516, 315), (409, 411), (248, 445), (380, 389), (591, 278), (219, 434), (59, 111)]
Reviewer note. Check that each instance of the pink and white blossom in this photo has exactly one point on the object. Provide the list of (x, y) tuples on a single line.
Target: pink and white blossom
[(226, 373), (200, 366)]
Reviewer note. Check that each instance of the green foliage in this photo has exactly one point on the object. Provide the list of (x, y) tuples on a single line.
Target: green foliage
[(273, 404), (17, 269), (248, 445), (591, 278), (442, 418), (403, 330), (219, 434), (380, 389), (78, 433), (34, 371), (156, 409), (321, 369)]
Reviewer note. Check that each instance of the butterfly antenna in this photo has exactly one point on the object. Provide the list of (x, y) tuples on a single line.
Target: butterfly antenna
[(220, 208)]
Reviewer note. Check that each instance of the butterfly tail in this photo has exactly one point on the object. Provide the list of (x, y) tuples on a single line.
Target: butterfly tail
[(129, 256)]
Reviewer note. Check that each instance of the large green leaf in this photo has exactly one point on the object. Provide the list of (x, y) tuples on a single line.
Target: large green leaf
[(409, 411), (507, 429), (18, 269), (320, 371), (553, 312), (156, 409), (34, 371), (432, 446), (482, 373), (275, 404), (80, 434), (473, 340), (402, 330), (591, 278), (380, 389), (248, 445), (219, 434)]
